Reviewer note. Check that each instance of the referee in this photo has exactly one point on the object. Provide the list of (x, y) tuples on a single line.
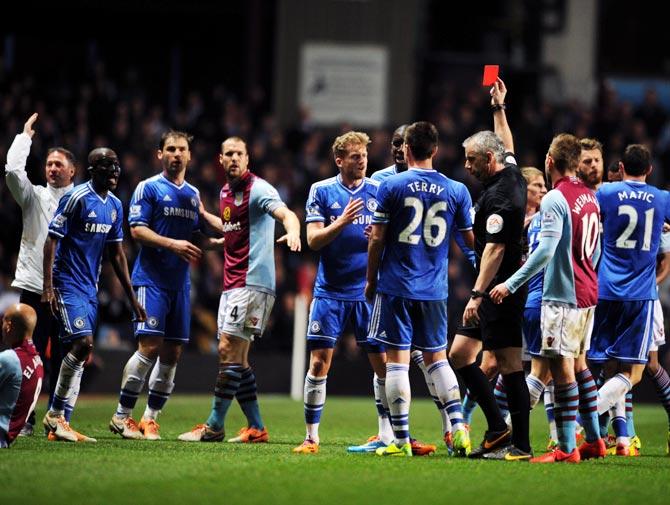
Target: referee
[(498, 229)]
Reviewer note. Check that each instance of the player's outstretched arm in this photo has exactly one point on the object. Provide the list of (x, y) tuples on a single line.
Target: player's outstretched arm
[(291, 224), (376, 246), (182, 248), (118, 260), (500, 124), (48, 295), (319, 236), (212, 223)]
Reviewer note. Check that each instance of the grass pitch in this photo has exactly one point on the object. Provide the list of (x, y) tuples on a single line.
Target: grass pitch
[(117, 471)]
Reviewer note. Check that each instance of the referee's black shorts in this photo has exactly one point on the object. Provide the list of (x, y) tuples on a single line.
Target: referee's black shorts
[(500, 326)]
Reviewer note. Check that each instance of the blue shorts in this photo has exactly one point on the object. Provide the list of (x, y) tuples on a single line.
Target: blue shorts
[(77, 313), (168, 313), (328, 318), (406, 324), (532, 331), (622, 331)]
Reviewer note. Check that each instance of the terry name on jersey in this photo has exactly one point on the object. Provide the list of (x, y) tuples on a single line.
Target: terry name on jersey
[(424, 187)]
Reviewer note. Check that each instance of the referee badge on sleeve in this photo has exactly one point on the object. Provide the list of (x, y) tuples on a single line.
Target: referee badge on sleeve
[(494, 224)]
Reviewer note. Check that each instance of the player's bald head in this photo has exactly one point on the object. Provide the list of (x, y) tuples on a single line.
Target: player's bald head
[(18, 323)]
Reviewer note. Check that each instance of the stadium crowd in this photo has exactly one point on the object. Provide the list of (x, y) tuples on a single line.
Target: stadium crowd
[(123, 113)]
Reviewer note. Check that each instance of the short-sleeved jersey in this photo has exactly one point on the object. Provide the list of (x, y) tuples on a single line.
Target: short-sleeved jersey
[(570, 211), (342, 265), (84, 222), (32, 374), (633, 214), (10, 386), (419, 207), (170, 211), (534, 299), (384, 173), (248, 228), (499, 217)]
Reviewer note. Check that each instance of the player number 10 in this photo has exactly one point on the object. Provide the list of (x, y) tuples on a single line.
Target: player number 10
[(432, 220), (590, 229)]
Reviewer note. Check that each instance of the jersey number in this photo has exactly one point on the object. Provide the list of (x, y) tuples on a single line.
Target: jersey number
[(432, 220), (233, 313), (623, 241), (590, 229)]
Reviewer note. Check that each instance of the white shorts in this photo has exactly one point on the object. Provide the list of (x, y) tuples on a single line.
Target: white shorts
[(244, 312), (658, 331), (566, 331)]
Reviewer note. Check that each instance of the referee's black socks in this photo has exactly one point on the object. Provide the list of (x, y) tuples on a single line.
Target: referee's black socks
[(518, 401), (480, 390)]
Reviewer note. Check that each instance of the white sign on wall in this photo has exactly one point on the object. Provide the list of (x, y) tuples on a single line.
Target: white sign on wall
[(344, 83)]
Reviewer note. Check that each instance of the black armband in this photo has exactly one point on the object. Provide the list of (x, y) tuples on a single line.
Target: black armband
[(498, 106)]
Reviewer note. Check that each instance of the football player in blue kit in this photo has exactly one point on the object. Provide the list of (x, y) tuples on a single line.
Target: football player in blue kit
[(407, 276), (88, 221), (163, 215), (633, 213)]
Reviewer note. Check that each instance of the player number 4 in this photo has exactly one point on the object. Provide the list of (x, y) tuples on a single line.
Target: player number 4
[(432, 220)]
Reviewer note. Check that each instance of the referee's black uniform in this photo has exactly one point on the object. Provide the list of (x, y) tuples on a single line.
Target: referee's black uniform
[(499, 219)]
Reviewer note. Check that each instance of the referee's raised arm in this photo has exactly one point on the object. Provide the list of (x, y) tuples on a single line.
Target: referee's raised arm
[(500, 124)]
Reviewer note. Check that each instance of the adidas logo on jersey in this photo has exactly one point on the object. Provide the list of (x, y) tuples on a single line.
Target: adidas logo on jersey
[(336, 205), (92, 214), (167, 198)]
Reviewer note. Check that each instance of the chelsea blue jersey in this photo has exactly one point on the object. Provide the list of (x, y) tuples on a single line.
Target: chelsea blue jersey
[(420, 208), (534, 299), (343, 262), (633, 214), (84, 222), (170, 211)]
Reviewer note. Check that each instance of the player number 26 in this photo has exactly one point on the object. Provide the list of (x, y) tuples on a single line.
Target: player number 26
[(430, 221)]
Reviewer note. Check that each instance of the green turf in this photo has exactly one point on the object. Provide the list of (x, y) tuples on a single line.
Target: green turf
[(126, 472)]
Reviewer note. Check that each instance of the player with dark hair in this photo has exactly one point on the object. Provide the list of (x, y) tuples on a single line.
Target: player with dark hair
[(163, 215), (407, 276), (249, 208), (38, 204), (21, 371), (633, 214), (88, 221)]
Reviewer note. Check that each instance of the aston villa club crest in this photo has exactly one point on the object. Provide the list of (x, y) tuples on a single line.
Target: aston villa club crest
[(239, 198)]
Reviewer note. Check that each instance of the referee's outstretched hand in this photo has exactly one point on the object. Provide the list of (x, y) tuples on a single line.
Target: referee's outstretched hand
[(499, 292)]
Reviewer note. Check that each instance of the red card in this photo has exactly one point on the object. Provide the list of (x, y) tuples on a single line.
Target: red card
[(490, 75)]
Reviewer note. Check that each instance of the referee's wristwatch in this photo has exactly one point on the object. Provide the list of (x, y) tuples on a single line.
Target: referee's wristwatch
[(477, 294)]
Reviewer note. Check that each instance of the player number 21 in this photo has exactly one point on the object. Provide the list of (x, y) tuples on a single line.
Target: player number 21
[(623, 241), (432, 220)]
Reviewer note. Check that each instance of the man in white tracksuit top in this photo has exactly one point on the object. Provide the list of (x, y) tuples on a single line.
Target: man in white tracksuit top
[(38, 205)]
